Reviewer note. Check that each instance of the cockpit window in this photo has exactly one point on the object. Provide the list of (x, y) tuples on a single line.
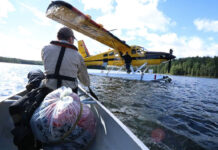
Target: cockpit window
[(111, 53), (133, 51), (105, 55), (138, 51), (163, 56), (142, 48)]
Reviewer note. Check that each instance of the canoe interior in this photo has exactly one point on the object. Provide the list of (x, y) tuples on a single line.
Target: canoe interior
[(112, 134)]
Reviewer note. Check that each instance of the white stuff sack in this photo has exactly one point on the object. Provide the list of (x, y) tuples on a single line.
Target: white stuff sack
[(57, 115), (81, 137)]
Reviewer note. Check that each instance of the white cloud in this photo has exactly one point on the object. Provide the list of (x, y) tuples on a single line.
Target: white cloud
[(195, 43), (131, 14), (24, 31), (40, 19), (5, 8), (132, 19), (182, 46), (206, 25)]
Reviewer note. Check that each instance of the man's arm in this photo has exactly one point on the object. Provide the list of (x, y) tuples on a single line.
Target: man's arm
[(82, 73), (43, 54)]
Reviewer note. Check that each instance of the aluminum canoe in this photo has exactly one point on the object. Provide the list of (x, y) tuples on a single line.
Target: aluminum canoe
[(112, 134)]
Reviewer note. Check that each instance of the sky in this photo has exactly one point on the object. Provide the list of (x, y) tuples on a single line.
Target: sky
[(189, 27)]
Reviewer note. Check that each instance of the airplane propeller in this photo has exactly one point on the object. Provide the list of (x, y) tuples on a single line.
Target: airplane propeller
[(170, 58)]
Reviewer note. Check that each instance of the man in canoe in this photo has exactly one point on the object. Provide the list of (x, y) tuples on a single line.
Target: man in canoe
[(63, 63)]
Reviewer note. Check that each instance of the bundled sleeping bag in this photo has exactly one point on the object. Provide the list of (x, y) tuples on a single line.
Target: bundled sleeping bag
[(63, 122)]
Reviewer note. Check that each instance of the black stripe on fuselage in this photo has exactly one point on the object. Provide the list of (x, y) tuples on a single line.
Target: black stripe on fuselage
[(105, 60), (147, 56)]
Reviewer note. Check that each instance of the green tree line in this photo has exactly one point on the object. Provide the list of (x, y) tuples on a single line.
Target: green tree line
[(191, 66), (20, 61)]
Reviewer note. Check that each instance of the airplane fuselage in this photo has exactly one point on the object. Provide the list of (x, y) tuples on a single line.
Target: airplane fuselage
[(139, 57)]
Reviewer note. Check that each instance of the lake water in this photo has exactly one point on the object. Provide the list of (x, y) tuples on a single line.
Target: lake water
[(181, 115)]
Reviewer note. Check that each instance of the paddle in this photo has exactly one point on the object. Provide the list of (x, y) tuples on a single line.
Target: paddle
[(92, 93)]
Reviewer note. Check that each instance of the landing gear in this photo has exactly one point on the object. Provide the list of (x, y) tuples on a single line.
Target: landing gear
[(141, 67)]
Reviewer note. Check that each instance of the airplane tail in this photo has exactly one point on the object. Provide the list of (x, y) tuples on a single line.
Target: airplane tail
[(82, 49)]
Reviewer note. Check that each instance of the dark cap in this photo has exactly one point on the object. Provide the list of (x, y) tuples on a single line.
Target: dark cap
[(65, 33)]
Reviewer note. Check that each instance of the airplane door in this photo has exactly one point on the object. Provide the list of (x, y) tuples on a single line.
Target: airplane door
[(105, 60)]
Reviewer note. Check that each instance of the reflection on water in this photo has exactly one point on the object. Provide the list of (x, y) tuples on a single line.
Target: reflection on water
[(13, 77), (181, 115)]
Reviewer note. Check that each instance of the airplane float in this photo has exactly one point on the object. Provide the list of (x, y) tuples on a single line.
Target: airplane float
[(71, 17)]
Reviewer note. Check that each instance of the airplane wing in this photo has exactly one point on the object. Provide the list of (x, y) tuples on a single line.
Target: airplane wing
[(71, 17)]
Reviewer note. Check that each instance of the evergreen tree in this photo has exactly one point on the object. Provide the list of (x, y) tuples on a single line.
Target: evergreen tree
[(194, 66)]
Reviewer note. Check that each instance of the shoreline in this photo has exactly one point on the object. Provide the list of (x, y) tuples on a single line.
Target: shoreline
[(19, 61)]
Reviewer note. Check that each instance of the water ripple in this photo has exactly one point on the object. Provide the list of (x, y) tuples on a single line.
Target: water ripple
[(185, 110)]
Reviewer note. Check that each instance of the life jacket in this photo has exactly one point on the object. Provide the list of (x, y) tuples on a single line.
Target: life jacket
[(56, 75)]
